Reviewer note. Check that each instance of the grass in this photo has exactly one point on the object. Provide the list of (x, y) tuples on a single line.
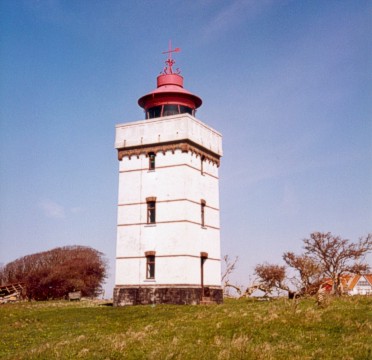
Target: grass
[(238, 329)]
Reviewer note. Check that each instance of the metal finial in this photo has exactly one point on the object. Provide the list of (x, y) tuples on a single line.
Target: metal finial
[(170, 62)]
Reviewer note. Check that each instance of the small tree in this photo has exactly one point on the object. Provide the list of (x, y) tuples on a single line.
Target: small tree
[(272, 276), (309, 271), (337, 256)]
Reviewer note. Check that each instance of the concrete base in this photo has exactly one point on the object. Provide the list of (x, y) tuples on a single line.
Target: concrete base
[(147, 295)]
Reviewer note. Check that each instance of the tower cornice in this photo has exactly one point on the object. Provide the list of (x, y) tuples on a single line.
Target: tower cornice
[(185, 145)]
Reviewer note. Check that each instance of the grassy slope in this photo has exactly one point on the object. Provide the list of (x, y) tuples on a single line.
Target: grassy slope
[(239, 329)]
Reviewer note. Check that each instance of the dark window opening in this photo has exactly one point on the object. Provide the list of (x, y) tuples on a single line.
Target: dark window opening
[(203, 258), (185, 110), (202, 208), (150, 267), (154, 112), (151, 211), (152, 161)]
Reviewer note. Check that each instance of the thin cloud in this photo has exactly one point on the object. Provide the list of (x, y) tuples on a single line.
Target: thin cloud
[(51, 209), (233, 14)]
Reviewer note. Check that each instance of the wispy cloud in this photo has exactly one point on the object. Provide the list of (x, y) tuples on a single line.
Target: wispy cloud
[(51, 209), (233, 14), (54, 210)]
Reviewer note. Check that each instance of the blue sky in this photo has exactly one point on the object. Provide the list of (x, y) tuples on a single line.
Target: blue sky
[(287, 83)]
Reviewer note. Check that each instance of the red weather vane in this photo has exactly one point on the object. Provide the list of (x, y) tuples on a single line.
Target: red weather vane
[(170, 62)]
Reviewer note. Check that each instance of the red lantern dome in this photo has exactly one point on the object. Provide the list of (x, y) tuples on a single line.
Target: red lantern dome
[(169, 98)]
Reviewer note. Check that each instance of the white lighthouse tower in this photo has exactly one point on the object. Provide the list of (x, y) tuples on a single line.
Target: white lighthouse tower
[(168, 231)]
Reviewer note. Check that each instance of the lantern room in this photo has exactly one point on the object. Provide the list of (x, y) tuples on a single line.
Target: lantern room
[(170, 97)]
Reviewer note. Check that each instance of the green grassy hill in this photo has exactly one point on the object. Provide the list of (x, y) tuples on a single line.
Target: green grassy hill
[(238, 329)]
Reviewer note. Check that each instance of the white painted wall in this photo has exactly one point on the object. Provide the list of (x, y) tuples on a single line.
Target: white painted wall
[(177, 182), (360, 289), (168, 128)]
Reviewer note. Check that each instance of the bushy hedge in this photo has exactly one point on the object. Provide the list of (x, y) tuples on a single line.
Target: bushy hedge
[(53, 274)]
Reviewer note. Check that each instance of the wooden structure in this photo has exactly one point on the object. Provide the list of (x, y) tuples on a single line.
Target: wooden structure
[(11, 292)]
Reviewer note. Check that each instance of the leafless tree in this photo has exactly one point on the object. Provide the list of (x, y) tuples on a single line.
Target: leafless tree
[(337, 256), (309, 271), (257, 286), (229, 266)]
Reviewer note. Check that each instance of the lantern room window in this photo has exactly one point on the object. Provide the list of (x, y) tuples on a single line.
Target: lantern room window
[(168, 110), (154, 112), (186, 110)]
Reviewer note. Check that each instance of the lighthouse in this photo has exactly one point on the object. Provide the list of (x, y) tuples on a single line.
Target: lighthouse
[(168, 222)]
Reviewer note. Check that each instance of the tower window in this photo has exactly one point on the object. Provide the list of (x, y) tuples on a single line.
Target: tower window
[(202, 159), (151, 210), (202, 209), (152, 161), (150, 264)]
